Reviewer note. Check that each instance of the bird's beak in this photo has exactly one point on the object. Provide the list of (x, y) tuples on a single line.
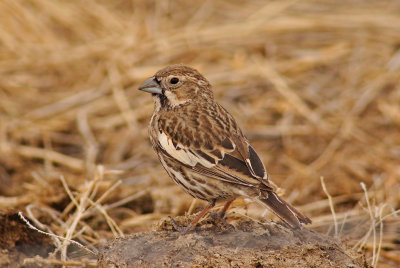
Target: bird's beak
[(151, 86)]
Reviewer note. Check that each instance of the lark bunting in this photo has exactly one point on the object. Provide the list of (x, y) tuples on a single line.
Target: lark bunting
[(203, 149)]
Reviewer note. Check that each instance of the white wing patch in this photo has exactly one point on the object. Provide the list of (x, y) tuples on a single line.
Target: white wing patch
[(182, 154)]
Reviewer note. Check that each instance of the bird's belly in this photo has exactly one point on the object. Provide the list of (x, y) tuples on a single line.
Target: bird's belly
[(197, 185)]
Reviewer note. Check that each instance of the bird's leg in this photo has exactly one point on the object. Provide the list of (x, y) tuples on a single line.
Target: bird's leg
[(222, 212), (184, 230)]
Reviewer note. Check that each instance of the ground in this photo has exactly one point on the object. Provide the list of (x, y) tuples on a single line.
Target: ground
[(245, 243), (213, 243)]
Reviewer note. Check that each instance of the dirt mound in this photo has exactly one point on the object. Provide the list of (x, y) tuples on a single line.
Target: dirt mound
[(246, 243)]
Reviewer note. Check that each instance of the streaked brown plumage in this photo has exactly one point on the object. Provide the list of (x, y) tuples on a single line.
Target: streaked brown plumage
[(203, 149)]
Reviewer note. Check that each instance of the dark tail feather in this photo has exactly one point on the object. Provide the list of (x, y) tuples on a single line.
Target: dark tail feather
[(284, 211)]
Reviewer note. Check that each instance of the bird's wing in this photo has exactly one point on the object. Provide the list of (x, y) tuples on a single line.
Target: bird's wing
[(232, 167), (219, 151)]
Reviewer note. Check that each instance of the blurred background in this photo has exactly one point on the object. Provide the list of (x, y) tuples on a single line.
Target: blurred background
[(313, 84)]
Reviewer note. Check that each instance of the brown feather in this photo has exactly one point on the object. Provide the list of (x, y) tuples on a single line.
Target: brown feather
[(285, 211), (256, 165)]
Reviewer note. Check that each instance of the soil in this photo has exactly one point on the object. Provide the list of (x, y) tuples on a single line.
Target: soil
[(216, 243), (18, 241)]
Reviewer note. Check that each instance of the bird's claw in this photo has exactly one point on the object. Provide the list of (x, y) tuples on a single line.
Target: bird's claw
[(219, 219), (181, 229), (217, 215)]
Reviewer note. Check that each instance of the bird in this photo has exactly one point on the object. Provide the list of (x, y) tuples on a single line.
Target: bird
[(203, 149)]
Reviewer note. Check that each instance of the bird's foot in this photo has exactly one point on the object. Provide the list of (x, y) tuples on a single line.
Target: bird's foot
[(217, 215), (219, 221), (181, 229)]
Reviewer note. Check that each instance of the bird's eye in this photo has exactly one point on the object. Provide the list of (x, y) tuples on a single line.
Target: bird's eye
[(174, 80)]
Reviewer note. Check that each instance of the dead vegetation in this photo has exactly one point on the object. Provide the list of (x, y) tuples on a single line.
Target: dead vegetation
[(315, 85)]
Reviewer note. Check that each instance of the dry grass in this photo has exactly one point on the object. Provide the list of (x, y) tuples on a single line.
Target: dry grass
[(314, 84)]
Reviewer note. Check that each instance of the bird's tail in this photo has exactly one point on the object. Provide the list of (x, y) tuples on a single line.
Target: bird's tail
[(284, 211)]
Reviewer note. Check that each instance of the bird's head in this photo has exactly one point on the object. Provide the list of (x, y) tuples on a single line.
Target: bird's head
[(176, 85)]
